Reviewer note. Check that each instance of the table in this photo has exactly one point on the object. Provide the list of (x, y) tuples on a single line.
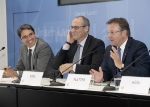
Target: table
[(8, 96), (51, 96)]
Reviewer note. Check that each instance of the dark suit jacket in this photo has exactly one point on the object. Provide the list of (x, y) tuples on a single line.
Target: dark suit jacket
[(42, 58), (92, 61), (133, 50)]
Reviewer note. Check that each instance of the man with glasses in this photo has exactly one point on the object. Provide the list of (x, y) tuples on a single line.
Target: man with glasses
[(80, 44), (127, 50), (35, 54)]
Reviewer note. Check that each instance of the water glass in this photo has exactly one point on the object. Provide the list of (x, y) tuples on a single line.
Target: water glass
[(117, 82), (91, 82)]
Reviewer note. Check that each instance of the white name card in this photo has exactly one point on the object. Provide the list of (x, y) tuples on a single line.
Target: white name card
[(78, 81), (131, 84), (31, 78), (1, 74)]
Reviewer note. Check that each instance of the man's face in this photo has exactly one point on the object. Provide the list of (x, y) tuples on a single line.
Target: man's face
[(79, 31), (28, 37), (115, 34)]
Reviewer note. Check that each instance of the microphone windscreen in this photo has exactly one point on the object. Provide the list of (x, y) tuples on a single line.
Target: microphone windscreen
[(3, 48)]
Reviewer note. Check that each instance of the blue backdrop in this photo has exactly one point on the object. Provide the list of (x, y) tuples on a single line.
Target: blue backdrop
[(52, 22)]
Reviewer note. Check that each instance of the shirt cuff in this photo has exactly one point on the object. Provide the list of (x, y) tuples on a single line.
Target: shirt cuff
[(65, 48), (18, 72), (74, 67)]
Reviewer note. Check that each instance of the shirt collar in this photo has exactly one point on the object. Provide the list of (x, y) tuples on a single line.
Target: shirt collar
[(123, 45), (33, 47), (83, 42)]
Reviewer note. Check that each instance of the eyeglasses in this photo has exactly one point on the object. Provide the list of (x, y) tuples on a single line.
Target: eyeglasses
[(113, 32), (26, 37), (76, 27)]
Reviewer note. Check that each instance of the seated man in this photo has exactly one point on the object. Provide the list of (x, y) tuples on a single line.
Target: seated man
[(78, 44), (35, 54), (128, 50)]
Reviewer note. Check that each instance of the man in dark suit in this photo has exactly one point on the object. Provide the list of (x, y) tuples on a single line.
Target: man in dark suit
[(42, 55), (128, 50), (78, 37)]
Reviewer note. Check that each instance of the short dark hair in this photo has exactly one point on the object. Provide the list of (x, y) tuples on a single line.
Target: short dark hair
[(86, 21), (24, 26), (124, 25)]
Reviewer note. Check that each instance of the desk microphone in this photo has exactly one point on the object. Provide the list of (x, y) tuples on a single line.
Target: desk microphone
[(2, 48), (54, 83), (111, 88), (16, 80)]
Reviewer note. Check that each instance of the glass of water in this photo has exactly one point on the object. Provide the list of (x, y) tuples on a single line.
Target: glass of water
[(117, 83), (91, 82)]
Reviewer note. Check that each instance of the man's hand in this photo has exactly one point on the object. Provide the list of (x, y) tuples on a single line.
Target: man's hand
[(69, 37), (7, 67), (9, 73), (114, 55), (98, 76), (63, 67)]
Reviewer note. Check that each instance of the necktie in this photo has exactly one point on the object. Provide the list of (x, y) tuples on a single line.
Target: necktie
[(118, 71), (77, 54), (75, 59), (29, 58)]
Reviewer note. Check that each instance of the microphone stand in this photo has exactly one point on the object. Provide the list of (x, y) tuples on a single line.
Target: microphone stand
[(54, 83), (112, 88), (16, 80), (108, 87)]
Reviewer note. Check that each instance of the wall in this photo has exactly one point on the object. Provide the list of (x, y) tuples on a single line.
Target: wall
[(3, 34), (52, 22)]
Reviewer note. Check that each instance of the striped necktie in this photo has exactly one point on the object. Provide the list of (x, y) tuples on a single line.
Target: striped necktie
[(118, 71)]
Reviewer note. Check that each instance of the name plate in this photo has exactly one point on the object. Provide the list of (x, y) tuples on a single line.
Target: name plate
[(78, 81), (31, 78), (1, 74), (131, 84)]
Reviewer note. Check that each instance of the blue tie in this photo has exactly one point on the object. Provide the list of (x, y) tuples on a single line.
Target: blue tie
[(118, 71), (75, 59)]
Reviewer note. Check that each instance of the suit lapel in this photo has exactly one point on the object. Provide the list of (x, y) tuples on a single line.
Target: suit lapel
[(72, 52), (34, 57), (25, 56), (86, 46), (127, 47)]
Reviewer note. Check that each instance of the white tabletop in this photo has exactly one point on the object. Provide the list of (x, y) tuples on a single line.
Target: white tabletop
[(45, 82)]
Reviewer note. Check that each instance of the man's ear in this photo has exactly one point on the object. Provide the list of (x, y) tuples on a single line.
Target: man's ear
[(21, 40), (124, 32), (86, 28)]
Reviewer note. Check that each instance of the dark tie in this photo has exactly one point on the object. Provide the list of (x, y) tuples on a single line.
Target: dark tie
[(75, 59), (29, 58), (118, 71)]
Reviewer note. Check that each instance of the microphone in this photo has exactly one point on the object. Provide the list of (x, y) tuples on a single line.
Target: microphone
[(54, 83), (2, 48), (16, 80), (112, 88), (80, 60)]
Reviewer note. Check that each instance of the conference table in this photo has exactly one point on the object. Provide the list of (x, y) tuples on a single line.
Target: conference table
[(16, 95)]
